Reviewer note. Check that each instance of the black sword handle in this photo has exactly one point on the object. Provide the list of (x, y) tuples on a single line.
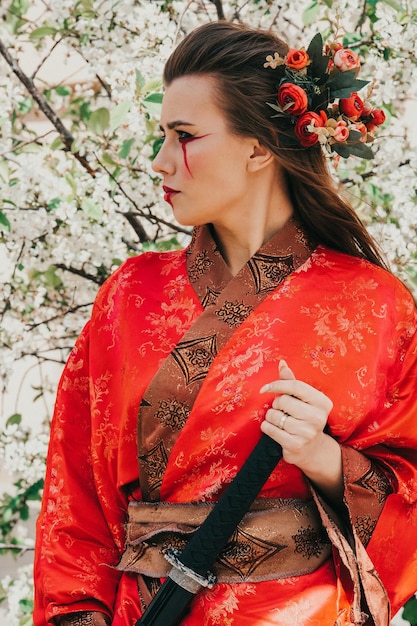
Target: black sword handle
[(170, 603)]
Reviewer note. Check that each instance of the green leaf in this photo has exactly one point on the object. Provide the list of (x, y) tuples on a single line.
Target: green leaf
[(26, 605), (85, 111), (63, 90), (140, 81), (25, 105), (33, 491), (108, 160), (99, 120), (387, 53), (126, 147), (54, 203), (318, 68), (42, 31), (57, 144), (152, 85), (4, 170), (71, 182), (88, 5), (394, 5), (315, 47), (152, 103), (341, 149), (119, 114), (156, 146), (356, 149), (92, 209), (344, 84), (354, 136), (410, 610), (310, 14), (4, 221), (24, 513), (19, 7), (16, 418), (51, 277)]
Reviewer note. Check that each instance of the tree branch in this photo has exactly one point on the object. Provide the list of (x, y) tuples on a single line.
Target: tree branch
[(68, 311), (132, 217), (73, 270), (64, 133), (219, 8), (13, 546)]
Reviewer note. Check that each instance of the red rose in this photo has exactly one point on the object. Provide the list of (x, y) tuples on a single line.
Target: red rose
[(297, 59), (377, 117), (352, 107), (371, 128), (301, 129), (346, 60), (292, 98)]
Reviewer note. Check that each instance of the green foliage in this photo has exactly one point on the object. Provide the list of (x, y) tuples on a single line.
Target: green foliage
[(410, 611), (14, 509)]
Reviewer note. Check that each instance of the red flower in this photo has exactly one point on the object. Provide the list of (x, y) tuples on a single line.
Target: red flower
[(301, 130), (377, 117), (346, 60), (297, 59), (352, 107), (292, 98)]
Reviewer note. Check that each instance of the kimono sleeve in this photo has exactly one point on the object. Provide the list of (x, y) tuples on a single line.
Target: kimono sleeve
[(76, 544)]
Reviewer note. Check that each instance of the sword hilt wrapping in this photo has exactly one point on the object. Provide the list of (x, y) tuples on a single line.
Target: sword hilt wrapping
[(213, 534)]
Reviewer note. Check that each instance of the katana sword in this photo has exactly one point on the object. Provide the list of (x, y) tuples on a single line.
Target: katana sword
[(191, 567)]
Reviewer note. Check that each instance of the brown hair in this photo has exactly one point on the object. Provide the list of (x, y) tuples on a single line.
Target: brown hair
[(234, 55)]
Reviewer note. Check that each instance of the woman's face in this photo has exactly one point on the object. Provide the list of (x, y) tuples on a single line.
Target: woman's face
[(203, 165)]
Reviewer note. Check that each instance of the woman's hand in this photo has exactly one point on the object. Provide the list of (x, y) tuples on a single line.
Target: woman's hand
[(297, 420)]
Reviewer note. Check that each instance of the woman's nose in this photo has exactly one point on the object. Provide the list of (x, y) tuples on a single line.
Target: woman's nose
[(163, 162)]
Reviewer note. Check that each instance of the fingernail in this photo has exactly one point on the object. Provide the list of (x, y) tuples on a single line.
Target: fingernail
[(282, 364), (265, 388)]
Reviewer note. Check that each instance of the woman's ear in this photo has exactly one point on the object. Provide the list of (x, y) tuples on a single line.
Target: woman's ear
[(260, 157)]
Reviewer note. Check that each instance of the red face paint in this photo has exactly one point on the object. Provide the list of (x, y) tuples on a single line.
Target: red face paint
[(184, 141), (184, 153)]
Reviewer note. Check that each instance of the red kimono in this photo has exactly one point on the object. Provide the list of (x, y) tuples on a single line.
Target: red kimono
[(342, 324)]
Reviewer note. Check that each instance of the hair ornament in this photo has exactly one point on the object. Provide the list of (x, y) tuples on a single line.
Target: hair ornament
[(319, 97)]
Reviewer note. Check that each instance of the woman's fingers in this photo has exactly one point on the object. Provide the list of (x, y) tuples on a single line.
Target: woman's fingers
[(298, 414)]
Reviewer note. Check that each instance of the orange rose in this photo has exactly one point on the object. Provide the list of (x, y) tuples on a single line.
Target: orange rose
[(292, 98), (297, 59), (301, 129), (361, 128), (346, 60), (341, 132), (352, 107)]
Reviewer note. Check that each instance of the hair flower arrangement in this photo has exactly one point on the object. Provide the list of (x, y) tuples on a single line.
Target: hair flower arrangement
[(318, 96)]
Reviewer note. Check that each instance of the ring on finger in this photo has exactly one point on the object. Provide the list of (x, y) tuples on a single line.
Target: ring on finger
[(282, 421)]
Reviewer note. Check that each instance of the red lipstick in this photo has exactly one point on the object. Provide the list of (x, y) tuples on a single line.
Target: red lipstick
[(169, 192)]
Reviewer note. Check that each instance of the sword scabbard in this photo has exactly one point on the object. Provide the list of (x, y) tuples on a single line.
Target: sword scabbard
[(171, 602)]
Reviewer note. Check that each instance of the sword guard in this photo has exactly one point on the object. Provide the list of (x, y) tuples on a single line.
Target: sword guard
[(186, 577)]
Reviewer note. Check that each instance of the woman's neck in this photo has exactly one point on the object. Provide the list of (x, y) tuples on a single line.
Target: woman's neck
[(239, 242)]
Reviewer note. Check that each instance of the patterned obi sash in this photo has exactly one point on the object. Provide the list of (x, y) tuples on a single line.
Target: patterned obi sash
[(277, 538)]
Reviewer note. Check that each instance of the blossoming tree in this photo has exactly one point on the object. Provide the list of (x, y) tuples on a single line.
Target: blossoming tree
[(77, 193)]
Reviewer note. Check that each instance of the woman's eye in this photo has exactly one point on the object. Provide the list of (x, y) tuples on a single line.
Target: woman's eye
[(184, 136)]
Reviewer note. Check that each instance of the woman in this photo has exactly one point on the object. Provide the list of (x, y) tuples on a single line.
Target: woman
[(184, 364)]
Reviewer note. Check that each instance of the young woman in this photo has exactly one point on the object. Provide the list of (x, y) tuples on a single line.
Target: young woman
[(278, 318)]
